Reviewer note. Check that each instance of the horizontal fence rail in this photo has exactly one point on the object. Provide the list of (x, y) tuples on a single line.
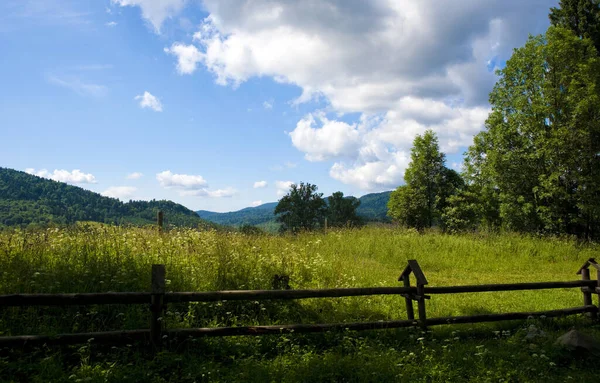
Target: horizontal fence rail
[(158, 298)]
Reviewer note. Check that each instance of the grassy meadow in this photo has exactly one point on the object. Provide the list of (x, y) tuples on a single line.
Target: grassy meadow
[(97, 258)]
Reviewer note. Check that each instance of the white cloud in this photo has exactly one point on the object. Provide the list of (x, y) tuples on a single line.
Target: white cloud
[(333, 139), (183, 181), (121, 192), (257, 203), (78, 86), (72, 177), (191, 185), (260, 184), (147, 100), (402, 65), (111, 24), (219, 193), (188, 57), (283, 187), (134, 176), (268, 104), (155, 11)]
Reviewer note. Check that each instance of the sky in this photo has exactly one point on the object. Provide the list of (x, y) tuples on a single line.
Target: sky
[(219, 105)]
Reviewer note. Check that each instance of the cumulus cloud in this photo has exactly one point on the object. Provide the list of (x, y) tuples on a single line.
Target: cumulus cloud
[(134, 176), (260, 184), (219, 193), (120, 192), (283, 187), (188, 57), (183, 181), (333, 139), (111, 24), (402, 65), (147, 100), (257, 203), (154, 11), (72, 177), (191, 185)]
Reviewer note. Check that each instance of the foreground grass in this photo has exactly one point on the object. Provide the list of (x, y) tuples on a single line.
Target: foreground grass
[(98, 259)]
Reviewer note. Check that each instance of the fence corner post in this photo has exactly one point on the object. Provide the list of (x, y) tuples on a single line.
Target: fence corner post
[(157, 303), (410, 311)]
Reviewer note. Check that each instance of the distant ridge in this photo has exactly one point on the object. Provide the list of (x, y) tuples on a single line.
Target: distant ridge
[(28, 200), (373, 207)]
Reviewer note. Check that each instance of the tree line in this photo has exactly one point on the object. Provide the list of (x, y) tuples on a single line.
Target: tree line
[(535, 167)]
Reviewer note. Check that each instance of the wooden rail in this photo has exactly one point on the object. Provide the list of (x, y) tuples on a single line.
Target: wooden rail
[(158, 298)]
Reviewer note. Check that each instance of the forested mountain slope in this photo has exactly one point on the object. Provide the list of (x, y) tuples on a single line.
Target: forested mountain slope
[(27, 200)]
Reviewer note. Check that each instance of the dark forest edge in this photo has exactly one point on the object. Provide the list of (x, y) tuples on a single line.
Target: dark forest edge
[(31, 201)]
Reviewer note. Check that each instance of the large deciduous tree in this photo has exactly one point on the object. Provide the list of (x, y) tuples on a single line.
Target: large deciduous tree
[(580, 16), (301, 209), (342, 210), (540, 151)]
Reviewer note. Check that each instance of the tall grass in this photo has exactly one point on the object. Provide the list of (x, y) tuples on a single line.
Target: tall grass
[(106, 258)]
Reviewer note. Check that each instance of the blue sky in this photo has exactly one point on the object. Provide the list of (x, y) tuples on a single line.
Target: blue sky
[(206, 99)]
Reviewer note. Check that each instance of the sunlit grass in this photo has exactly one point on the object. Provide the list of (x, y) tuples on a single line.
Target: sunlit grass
[(97, 258)]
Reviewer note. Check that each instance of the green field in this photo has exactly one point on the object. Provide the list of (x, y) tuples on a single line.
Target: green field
[(107, 258)]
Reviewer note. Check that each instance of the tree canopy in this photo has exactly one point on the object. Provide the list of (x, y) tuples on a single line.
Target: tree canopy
[(541, 143), (341, 210), (301, 209), (429, 184)]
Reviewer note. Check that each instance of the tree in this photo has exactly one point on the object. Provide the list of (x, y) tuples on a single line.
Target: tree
[(429, 184), (580, 16), (539, 150), (301, 209), (342, 210)]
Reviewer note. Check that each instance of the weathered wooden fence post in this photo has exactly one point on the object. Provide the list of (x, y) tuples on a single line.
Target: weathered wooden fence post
[(159, 220), (588, 290), (413, 267), (410, 311), (157, 300)]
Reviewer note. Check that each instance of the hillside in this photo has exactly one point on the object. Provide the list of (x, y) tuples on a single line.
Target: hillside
[(27, 200), (373, 207)]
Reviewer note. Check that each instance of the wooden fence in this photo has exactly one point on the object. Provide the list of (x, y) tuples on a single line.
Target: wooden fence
[(158, 298)]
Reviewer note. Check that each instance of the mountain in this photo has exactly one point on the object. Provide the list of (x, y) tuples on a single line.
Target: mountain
[(373, 207), (28, 200)]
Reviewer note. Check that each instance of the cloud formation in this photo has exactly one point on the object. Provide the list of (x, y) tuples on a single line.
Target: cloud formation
[(154, 11), (260, 184), (191, 185), (134, 176), (147, 100), (283, 187), (72, 177), (121, 192), (403, 65), (257, 203)]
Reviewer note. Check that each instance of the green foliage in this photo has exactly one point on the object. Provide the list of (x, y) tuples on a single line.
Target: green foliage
[(372, 208), (580, 16), (301, 209), (341, 212), (251, 230), (101, 258), (539, 151), (429, 185), (27, 200)]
